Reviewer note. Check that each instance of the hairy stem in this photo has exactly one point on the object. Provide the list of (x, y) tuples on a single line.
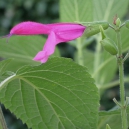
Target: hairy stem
[(121, 81), (2, 120)]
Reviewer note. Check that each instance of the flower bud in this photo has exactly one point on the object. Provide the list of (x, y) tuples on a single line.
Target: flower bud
[(127, 24), (118, 22), (107, 126), (92, 28), (109, 46)]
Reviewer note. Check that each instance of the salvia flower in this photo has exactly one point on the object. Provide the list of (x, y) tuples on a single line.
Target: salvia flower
[(57, 33)]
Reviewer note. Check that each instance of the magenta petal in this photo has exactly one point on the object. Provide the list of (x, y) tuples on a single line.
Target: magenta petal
[(67, 31), (69, 35), (30, 28), (44, 59), (40, 55), (48, 49), (50, 43)]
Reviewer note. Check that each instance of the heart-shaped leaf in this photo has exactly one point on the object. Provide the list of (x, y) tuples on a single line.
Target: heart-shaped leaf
[(59, 94)]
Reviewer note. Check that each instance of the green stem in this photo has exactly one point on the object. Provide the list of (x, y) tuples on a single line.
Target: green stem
[(79, 51), (2, 120), (97, 60), (121, 81)]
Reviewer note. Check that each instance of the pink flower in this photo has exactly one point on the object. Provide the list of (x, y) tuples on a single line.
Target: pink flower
[(57, 33)]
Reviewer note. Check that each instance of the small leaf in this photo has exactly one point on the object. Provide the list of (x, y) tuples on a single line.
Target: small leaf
[(59, 94), (112, 117), (113, 120), (108, 127)]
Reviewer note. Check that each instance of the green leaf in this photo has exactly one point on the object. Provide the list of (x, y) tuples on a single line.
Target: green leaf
[(125, 48), (89, 10), (3, 65), (125, 39), (88, 57), (79, 10), (76, 10), (112, 117), (3, 69), (108, 65), (113, 120), (107, 9), (59, 94), (22, 49)]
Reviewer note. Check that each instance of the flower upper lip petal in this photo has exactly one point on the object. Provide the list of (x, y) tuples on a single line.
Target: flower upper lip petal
[(30, 28)]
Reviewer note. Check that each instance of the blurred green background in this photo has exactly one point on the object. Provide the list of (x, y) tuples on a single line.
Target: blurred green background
[(44, 11), (15, 11)]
